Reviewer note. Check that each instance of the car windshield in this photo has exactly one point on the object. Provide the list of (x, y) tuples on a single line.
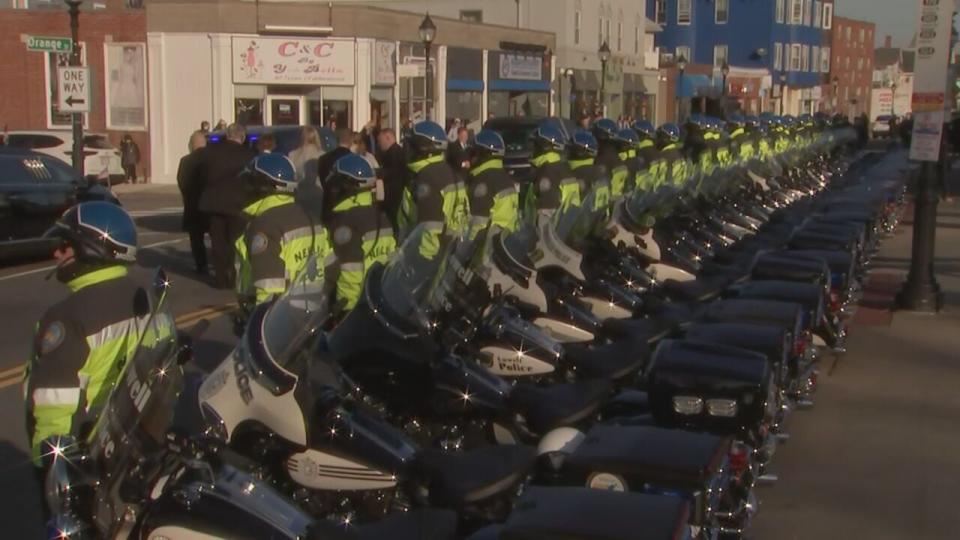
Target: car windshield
[(515, 137)]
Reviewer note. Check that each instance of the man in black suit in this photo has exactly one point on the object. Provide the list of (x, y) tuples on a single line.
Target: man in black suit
[(458, 155), (191, 187), (222, 198), (394, 172), (311, 195)]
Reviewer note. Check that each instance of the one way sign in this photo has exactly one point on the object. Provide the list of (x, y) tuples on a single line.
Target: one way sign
[(73, 89)]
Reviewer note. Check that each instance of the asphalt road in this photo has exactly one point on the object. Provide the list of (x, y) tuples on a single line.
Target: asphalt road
[(25, 293)]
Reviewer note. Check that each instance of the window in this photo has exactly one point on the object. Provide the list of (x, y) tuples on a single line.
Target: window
[(619, 36), (600, 33), (719, 55), (806, 6), (860, 63), (796, 11), (815, 58), (817, 13), (636, 40), (683, 11), (606, 36), (795, 57), (471, 15), (827, 16), (780, 10), (777, 56), (805, 58), (576, 28), (684, 52), (863, 35), (847, 31), (722, 11), (847, 62), (661, 11)]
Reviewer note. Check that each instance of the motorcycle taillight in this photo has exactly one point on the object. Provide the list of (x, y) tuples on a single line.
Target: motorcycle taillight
[(739, 459), (835, 304), (800, 346)]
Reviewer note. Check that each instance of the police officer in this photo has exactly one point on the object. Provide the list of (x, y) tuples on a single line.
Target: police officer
[(553, 186), (608, 155), (648, 155), (494, 199), (582, 153), (675, 170), (437, 197), (362, 234), (627, 140), (82, 342), (281, 236)]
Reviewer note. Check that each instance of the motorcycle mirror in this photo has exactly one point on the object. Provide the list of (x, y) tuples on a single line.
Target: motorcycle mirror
[(187, 340), (160, 283)]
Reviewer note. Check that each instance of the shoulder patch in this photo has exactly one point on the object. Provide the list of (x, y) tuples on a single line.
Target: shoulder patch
[(258, 244), (422, 190), (52, 337), (342, 235), (480, 190), (545, 184)]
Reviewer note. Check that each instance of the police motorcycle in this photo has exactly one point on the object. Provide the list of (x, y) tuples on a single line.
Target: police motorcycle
[(281, 400), (136, 475)]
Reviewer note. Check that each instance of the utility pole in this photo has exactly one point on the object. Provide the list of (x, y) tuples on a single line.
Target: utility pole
[(77, 118)]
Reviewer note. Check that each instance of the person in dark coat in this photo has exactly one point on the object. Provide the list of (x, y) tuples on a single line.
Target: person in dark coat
[(191, 187), (222, 198), (458, 153), (311, 196), (394, 172), (129, 158)]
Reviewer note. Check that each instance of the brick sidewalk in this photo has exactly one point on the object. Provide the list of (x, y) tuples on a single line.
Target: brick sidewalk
[(879, 455)]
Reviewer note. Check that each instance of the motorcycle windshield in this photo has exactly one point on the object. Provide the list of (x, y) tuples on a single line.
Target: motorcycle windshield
[(410, 276), (576, 224)]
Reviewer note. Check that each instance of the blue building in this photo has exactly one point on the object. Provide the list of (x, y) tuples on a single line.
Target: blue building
[(776, 43)]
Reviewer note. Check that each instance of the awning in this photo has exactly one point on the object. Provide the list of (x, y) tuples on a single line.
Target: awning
[(586, 80), (634, 83), (696, 86), (464, 85), (519, 86)]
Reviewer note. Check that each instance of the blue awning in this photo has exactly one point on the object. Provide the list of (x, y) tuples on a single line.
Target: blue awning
[(465, 85), (694, 85), (512, 86)]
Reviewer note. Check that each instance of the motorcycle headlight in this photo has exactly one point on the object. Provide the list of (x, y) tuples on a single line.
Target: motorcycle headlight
[(726, 408), (687, 405)]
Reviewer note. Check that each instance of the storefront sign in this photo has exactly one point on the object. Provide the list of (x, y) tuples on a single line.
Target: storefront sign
[(816, 93), (930, 84), (521, 68), (258, 60), (384, 55)]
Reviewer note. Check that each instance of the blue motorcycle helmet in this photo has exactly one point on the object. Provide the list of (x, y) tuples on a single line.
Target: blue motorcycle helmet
[(100, 233), (626, 139), (583, 145), (274, 171), (426, 139), (352, 171), (547, 138), (604, 129), (644, 129), (668, 134), (490, 142)]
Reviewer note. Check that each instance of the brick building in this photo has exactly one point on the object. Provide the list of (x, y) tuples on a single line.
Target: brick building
[(108, 28), (852, 66)]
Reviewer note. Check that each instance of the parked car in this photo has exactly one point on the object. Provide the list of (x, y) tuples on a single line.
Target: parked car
[(516, 136), (101, 157), (35, 189), (881, 126), (287, 137)]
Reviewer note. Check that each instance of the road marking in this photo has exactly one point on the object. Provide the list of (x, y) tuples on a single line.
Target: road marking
[(157, 212), (14, 375), (52, 266)]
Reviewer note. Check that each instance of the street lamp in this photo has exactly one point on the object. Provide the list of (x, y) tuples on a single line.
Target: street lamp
[(428, 31), (836, 91), (783, 86), (681, 67), (604, 53), (724, 70), (893, 98), (564, 73), (76, 118)]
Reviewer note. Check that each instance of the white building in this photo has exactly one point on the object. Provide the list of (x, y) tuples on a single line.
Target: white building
[(632, 80)]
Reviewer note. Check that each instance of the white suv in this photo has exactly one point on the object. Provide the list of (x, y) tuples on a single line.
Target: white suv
[(101, 158)]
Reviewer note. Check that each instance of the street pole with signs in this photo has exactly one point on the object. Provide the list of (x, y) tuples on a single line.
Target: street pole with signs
[(604, 54), (77, 118), (428, 32), (921, 291)]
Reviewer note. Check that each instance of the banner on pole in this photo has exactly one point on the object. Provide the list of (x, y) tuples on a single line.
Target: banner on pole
[(930, 83)]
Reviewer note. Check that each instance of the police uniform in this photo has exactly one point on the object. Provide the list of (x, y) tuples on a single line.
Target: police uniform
[(554, 185), (79, 350), (276, 247), (494, 199), (362, 235), (438, 200), (592, 177), (613, 162), (648, 163)]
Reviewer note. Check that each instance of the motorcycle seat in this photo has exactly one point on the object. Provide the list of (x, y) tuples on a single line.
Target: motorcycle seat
[(579, 513), (649, 330), (614, 361), (667, 458), (414, 524), (808, 295), (772, 341), (563, 405), (456, 480), (780, 266), (786, 315), (698, 290)]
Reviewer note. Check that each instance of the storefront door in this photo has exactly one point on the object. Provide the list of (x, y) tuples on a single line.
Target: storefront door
[(285, 110)]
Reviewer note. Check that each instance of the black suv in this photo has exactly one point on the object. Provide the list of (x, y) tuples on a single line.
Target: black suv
[(516, 135)]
